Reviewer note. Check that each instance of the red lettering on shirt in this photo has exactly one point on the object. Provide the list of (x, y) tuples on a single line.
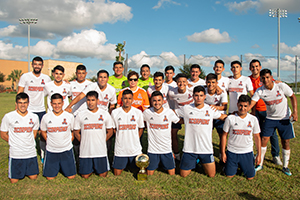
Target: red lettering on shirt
[(57, 129), (235, 89), (93, 126), (199, 121), (22, 129), (272, 102), (241, 132), (127, 126), (35, 88), (159, 126)]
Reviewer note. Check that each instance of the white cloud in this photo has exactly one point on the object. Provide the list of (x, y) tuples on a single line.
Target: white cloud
[(210, 36), (243, 6), (290, 50), (60, 17), (161, 2), (138, 60)]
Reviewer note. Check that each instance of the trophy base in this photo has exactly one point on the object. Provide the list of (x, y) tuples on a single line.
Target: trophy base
[(142, 177)]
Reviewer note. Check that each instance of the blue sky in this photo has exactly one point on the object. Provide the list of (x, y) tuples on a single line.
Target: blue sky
[(157, 32)]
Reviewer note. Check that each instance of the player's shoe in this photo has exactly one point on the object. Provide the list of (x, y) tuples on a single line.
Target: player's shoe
[(276, 160), (177, 156), (287, 171), (258, 167)]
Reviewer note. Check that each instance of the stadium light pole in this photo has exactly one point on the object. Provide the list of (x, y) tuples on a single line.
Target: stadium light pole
[(278, 13), (28, 21)]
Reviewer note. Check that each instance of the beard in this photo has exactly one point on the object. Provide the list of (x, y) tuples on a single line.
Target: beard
[(37, 70)]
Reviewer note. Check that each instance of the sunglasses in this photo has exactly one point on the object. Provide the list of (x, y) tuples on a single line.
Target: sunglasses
[(133, 79)]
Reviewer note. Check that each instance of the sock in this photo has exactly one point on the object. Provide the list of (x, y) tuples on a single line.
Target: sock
[(286, 157), (263, 152)]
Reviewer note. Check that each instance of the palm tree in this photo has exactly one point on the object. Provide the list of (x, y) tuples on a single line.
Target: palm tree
[(186, 70), (14, 76), (120, 49)]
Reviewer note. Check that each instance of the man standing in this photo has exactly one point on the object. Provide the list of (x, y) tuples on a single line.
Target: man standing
[(57, 127), (118, 78), (278, 115), (93, 127), (170, 73), (195, 73), (19, 128), (159, 120), (242, 127), (238, 85), (222, 81), (259, 110), (129, 125), (198, 119), (33, 84)]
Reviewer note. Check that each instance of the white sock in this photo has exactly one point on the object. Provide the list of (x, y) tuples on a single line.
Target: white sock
[(262, 157), (286, 157)]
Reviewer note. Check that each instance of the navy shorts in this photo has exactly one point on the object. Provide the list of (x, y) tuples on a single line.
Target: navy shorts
[(121, 162), (166, 159), (54, 162), (218, 125), (19, 168), (189, 160), (97, 165), (284, 128), (245, 161), (176, 126)]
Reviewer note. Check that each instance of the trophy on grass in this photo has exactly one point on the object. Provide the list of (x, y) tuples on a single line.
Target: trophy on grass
[(142, 161)]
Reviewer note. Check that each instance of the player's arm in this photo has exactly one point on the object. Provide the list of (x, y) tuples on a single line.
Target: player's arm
[(35, 133), (77, 134), (72, 133), (111, 107), (44, 134), (251, 92), (223, 146), (218, 90), (221, 107), (294, 105), (109, 133), (252, 104), (20, 89), (4, 135), (74, 101), (257, 141), (141, 130)]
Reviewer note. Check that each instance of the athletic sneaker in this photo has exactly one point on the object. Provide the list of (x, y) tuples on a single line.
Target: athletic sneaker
[(258, 167), (276, 160), (287, 171)]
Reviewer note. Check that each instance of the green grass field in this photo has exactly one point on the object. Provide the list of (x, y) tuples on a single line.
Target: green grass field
[(268, 183)]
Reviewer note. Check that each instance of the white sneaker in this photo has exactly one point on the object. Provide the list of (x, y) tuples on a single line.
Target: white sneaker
[(277, 160)]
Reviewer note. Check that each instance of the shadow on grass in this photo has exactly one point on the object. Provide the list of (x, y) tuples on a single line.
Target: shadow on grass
[(246, 195)]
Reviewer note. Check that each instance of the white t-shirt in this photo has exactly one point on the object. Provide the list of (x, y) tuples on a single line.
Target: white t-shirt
[(199, 82), (172, 84), (76, 89), (20, 134), (181, 99), (34, 87), (93, 132), (59, 136), (127, 134), (171, 103), (159, 130), (236, 88), (106, 97), (198, 128), (64, 89), (164, 90), (223, 83), (216, 99), (275, 100), (240, 131)]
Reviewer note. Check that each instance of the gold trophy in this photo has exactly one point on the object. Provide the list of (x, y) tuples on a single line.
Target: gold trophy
[(142, 161)]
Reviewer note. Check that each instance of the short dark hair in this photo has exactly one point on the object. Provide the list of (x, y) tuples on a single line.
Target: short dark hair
[(92, 94), (118, 63), (158, 74), (264, 72), (130, 74), (157, 93), (220, 61), (244, 98), (102, 71), (254, 61), (37, 58), (58, 67), (80, 67), (211, 76), (127, 91), (195, 66), (169, 67), (236, 62), (199, 88), (57, 96), (180, 75), (22, 95), (145, 65)]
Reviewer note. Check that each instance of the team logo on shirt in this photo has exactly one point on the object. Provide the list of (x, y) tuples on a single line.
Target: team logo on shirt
[(190, 96), (31, 81), (49, 122), (207, 114), (140, 96), (16, 122), (191, 113), (249, 124), (120, 119), (223, 84), (43, 82), (64, 92), (240, 84), (165, 118), (106, 97), (216, 100), (86, 118), (74, 87), (132, 118), (278, 94), (236, 124), (151, 118), (100, 118), (31, 122), (65, 121)]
